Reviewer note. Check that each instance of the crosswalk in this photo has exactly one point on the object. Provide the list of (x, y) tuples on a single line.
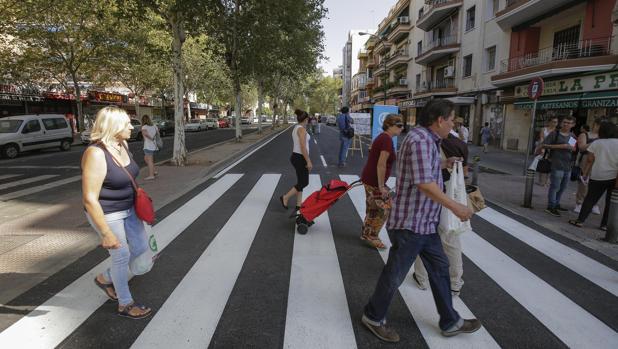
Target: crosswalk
[(17, 185), (320, 301)]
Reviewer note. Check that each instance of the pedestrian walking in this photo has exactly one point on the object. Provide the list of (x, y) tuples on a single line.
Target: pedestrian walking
[(413, 222), (376, 172), (584, 140), (314, 126), (552, 124), (108, 198), (454, 148), (462, 131), (346, 132), (600, 171), (485, 136), (299, 159), (561, 144), (149, 133)]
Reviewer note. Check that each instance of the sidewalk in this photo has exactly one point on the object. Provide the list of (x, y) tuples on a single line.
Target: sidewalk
[(502, 181), (44, 237)]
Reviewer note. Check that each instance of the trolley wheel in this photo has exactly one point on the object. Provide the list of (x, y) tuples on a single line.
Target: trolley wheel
[(302, 228)]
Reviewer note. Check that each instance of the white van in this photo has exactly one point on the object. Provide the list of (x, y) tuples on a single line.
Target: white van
[(31, 132)]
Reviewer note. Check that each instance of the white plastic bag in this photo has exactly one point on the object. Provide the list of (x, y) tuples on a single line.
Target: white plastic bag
[(145, 261), (456, 190), (535, 162)]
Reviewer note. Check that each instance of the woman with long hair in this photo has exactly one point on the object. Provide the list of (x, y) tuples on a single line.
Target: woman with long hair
[(299, 159), (149, 132), (108, 198)]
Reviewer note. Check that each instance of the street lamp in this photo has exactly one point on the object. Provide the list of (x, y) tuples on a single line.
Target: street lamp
[(384, 65)]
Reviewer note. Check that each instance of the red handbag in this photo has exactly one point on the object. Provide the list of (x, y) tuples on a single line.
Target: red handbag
[(144, 208)]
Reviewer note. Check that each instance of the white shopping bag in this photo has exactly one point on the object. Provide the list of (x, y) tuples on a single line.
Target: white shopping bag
[(144, 262), (535, 162), (456, 190)]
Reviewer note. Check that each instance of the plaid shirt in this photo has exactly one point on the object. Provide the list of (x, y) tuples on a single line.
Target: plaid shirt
[(418, 162)]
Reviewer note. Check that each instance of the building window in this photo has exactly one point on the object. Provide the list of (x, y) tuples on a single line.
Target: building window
[(492, 8), (467, 66), (566, 38), (470, 17), (419, 48), (418, 81), (490, 53)]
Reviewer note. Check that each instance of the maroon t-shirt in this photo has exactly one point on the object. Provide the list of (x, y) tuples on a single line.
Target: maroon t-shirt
[(383, 142)]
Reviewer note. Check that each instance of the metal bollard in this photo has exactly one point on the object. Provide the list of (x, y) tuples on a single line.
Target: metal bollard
[(530, 174), (612, 219), (475, 170)]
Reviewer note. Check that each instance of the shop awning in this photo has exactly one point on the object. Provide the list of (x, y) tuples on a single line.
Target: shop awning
[(551, 102), (605, 99), (461, 100)]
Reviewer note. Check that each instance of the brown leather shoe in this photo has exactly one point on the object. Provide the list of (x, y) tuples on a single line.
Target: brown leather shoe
[(384, 333), (469, 326)]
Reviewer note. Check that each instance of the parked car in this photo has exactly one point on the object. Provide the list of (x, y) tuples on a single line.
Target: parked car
[(211, 123), (166, 127), (245, 120), (194, 125), (32, 132), (331, 120), (136, 132), (223, 123)]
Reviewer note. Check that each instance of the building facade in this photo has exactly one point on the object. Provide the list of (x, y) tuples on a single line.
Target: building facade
[(351, 64)]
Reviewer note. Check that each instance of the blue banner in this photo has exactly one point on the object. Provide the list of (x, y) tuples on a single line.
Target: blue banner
[(379, 114)]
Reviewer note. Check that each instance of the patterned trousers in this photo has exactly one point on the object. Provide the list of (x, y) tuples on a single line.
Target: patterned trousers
[(377, 211)]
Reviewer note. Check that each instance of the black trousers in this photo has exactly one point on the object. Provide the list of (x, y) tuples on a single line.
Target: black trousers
[(595, 191), (302, 173)]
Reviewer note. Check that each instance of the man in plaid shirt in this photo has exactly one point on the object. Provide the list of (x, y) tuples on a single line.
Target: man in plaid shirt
[(412, 225)]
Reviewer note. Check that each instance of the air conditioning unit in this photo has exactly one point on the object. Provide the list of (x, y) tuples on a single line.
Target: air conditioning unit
[(403, 82), (449, 72), (404, 19)]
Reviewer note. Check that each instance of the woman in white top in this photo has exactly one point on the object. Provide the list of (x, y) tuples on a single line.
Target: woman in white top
[(300, 160), (550, 127), (584, 140), (602, 169), (149, 132)]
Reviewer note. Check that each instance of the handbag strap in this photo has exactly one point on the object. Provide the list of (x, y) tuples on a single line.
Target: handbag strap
[(135, 186)]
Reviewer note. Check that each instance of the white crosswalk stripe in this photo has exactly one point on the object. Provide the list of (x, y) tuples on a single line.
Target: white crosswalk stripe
[(318, 314), (9, 176), (39, 188), (26, 181)]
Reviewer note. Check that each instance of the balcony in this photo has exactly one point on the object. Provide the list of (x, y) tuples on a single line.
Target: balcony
[(435, 11), (380, 70), (362, 53), (383, 46), (445, 86), (371, 63), (582, 56), (438, 48), (517, 12), (399, 87), (401, 30), (369, 83), (398, 58)]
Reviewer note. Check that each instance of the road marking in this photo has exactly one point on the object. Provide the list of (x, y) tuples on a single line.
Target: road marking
[(315, 141), (587, 267), (43, 167), (576, 327), (224, 171), (323, 161), (26, 181), (39, 188), (317, 313), (9, 176), (421, 303), (53, 321), (187, 319)]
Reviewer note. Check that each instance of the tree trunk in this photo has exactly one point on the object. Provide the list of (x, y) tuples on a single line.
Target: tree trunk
[(188, 109), (78, 102), (237, 93), (136, 101), (179, 157), (285, 114), (260, 87)]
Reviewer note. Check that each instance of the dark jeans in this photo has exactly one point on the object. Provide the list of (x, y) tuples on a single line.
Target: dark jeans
[(595, 191), (559, 180), (406, 246)]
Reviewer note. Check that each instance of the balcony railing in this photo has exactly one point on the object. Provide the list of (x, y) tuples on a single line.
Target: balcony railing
[(428, 11), (512, 3), (440, 42), (427, 86), (580, 49), (402, 52)]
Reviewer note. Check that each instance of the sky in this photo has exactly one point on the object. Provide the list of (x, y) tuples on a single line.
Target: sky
[(346, 15)]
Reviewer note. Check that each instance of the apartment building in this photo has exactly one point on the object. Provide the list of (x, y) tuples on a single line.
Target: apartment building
[(350, 61)]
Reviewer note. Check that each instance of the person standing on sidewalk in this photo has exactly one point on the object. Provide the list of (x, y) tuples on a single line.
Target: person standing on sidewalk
[(462, 131), (108, 198), (376, 172), (149, 133), (602, 169), (584, 140), (485, 136), (413, 222), (299, 159), (455, 149), (561, 144), (552, 124), (344, 122)]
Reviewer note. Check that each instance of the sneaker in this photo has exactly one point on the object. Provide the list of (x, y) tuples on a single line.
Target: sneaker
[(596, 210), (553, 212), (418, 283), (384, 333), (469, 326), (561, 209), (577, 209)]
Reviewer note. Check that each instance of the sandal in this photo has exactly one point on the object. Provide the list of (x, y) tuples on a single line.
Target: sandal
[(126, 312), (282, 204), (109, 289), (375, 243), (576, 223)]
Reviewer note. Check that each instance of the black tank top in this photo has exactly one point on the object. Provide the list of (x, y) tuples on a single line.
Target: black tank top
[(117, 193)]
